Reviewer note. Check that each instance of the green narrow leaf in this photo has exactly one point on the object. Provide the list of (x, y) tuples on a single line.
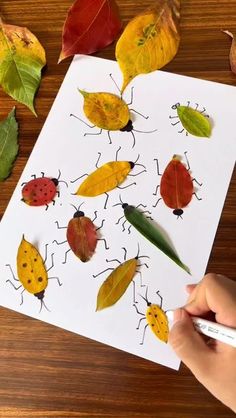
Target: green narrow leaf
[(116, 284), (150, 232), (8, 144), (194, 122)]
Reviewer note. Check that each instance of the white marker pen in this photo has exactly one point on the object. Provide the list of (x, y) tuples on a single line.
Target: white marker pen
[(214, 330)]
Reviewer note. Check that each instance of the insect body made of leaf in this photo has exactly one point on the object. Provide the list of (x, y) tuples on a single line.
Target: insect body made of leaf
[(32, 271), (176, 186), (118, 281), (194, 121), (151, 232), (109, 112), (156, 319), (107, 177), (81, 236), (41, 190)]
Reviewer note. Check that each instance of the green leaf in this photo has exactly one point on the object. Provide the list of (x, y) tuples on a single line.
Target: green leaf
[(151, 232), (194, 122), (21, 59), (8, 144)]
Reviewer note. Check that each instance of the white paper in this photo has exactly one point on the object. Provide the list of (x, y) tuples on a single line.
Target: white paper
[(62, 145)]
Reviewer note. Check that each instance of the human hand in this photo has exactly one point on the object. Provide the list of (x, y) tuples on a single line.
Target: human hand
[(212, 362)]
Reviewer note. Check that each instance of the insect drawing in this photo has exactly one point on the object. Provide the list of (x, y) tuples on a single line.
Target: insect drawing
[(107, 177), (119, 280), (149, 230), (176, 186), (193, 121), (156, 319), (41, 190), (109, 112), (31, 271), (81, 235)]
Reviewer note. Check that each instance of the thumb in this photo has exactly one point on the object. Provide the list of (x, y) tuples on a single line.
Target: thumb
[(189, 345)]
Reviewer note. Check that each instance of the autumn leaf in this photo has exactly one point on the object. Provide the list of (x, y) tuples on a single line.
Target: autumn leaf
[(116, 284), (194, 122), (21, 59), (232, 54), (149, 41), (90, 26), (8, 144)]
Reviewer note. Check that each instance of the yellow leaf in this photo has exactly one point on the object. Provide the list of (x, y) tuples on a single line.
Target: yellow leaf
[(105, 178), (21, 59), (116, 284), (106, 110), (31, 269), (149, 41), (158, 322)]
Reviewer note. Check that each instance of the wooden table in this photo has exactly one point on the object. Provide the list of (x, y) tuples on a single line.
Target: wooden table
[(47, 372)]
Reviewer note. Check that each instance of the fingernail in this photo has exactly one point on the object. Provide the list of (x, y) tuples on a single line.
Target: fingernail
[(178, 314)]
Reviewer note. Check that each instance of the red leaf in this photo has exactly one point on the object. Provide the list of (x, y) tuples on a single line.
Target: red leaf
[(90, 26), (232, 55)]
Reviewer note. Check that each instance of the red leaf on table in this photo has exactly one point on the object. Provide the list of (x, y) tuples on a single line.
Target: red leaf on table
[(90, 26), (232, 54)]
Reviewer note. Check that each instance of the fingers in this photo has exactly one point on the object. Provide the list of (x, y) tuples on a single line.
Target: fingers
[(189, 345), (214, 293)]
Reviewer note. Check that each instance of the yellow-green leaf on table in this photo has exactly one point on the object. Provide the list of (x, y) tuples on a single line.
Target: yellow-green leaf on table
[(232, 54), (149, 41), (194, 122), (8, 144), (22, 58)]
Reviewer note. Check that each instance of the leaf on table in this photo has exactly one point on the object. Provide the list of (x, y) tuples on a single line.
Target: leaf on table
[(8, 144), (90, 26), (194, 122), (232, 54), (21, 59), (149, 41)]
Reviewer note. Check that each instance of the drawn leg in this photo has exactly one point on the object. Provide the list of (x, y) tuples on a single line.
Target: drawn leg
[(199, 184), (126, 187), (59, 243), (12, 273), (66, 253), (134, 301), (107, 197), (104, 271), (96, 215), (83, 175), (109, 136), (135, 175), (144, 331), (138, 312), (21, 303), (57, 279), (97, 229), (198, 198), (46, 254), (131, 98), (81, 120), (16, 288), (60, 227), (125, 253), (99, 156), (161, 298), (52, 261), (117, 223), (117, 152), (105, 243), (93, 134), (140, 114)]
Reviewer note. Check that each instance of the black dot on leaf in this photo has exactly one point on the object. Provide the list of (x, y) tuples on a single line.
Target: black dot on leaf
[(24, 265)]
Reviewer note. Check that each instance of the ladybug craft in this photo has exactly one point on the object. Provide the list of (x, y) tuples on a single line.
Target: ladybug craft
[(119, 280), (41, 190), (107, 177), (156, 319), (109, 112), (176, 186), (81, 234), (32, 272)]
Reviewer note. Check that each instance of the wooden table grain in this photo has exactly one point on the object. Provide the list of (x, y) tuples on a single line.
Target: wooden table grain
[(47, 372)]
